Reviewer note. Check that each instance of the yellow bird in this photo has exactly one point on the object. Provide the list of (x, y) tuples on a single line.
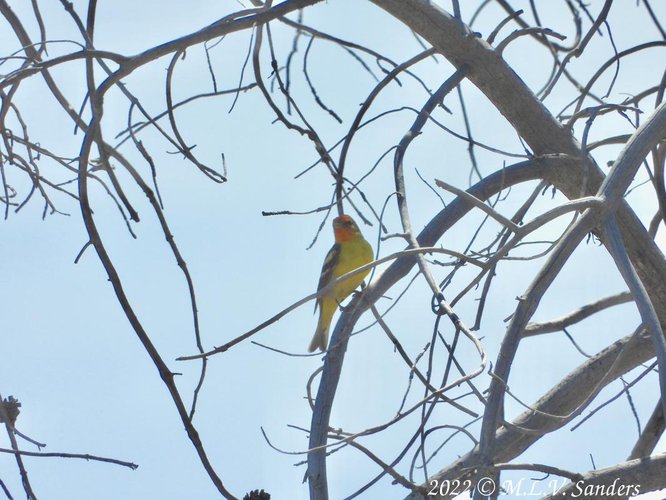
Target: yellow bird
[(349, 252)]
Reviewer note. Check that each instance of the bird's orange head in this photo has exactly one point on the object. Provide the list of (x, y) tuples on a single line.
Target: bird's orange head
[(344, 228)]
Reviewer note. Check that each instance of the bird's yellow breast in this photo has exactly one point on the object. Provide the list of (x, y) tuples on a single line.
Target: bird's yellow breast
[(352, 256)]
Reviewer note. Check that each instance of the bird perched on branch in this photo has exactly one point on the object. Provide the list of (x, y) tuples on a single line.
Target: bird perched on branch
[(349, 252)]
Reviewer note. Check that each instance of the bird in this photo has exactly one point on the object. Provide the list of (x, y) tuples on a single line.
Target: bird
[(349, 252)]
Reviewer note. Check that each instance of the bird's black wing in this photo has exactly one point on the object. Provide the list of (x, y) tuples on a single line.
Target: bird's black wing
[(331, 260)]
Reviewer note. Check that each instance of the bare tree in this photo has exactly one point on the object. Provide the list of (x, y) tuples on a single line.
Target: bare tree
[(459, 382)]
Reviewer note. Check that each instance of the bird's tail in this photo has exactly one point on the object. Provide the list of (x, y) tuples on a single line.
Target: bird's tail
[(320, 339)]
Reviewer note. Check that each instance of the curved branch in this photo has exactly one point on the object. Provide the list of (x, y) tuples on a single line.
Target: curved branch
[(491, 185), (92, 136), (576, 316)]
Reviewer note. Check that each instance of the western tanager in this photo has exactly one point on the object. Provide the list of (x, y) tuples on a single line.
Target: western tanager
[(349, 252)]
